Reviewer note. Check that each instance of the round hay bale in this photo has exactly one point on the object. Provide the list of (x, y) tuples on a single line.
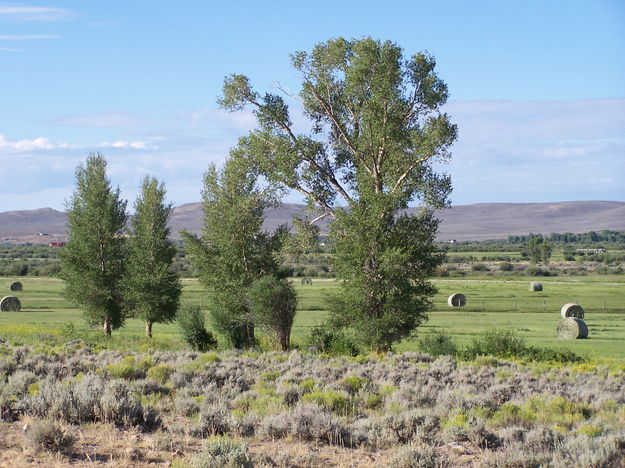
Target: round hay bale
[(457, 300), (572, 310), (572, 328), (306, 281), (10, 304), (534, 286), (16, 286)]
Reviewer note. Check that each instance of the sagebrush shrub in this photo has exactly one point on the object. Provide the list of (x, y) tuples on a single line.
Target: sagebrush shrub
[(47, 435), (118, 406), (275, 426), (309, 422), (422, 456), (214, 419), (222, 452)]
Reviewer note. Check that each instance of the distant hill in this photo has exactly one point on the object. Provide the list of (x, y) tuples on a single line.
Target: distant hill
[(463, 222)]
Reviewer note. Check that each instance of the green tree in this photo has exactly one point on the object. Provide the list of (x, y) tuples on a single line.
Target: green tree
[(152, 288), (539, 249), (193, 328), (93, 261), (377, 130), (272, 303), (302, 241), (233, 251)]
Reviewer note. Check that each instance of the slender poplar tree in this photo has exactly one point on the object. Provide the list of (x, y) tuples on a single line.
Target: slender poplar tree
[(93, 262), (233, 251), (152, 288)]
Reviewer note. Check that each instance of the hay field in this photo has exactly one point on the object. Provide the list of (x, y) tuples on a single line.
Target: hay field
[(501, 303)]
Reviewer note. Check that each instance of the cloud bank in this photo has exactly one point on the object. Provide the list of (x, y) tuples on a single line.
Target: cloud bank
[(507, 151)]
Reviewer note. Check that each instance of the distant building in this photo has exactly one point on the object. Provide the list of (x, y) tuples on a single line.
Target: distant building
[(594, 251), (42, 234), (452, 241), (57, 244)]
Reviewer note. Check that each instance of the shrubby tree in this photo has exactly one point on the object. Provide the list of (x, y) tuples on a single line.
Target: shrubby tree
[(152, 288), (192, 325), (93, 261), (272, 304), (376, 131), (539, 249), (233, 251)]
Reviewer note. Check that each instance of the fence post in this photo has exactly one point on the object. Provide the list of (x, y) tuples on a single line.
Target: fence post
[(604, 304), (544, 306), (515, 304)]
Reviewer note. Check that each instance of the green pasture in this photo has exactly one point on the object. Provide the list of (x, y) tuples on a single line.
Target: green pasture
[(46, 318)]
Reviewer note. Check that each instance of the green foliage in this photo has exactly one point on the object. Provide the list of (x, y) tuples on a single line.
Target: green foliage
[(160, 372), (333, 400), (377, 132), (201, 362), (94, 260), (126, 368), (589, 430), (352, 384), (505, 343), (152, 288), (438, 344), (193, 328), (272, 304), (325, 338), (383, 299), (500, 342), (302, 241), (539, 249), (233, 251)]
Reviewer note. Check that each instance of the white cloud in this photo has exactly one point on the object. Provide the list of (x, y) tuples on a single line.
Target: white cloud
[(42, 144), (507, 152), (19, 146), (10, 49), (512, 151), (34, 13), (142, 145)]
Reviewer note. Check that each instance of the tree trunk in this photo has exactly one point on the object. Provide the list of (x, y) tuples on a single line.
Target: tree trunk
[(283, 337), (106, 327), (248, 333), (148, 328)]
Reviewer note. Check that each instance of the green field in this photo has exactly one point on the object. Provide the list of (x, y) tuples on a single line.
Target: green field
[(492, 302)]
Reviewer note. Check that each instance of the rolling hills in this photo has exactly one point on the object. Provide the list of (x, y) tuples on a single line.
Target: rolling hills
[(463, 222)]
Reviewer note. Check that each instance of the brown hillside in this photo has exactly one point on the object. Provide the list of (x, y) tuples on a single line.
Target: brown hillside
[(464, 222)]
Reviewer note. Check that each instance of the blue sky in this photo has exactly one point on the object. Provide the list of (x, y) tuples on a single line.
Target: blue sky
[(537, 89)]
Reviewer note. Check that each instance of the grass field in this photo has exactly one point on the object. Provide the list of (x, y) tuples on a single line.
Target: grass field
[(492, 303)]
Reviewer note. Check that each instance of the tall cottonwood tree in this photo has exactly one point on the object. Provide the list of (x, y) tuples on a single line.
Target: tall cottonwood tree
[(233, 250), (93, 262), (376, 131), (152, 288)]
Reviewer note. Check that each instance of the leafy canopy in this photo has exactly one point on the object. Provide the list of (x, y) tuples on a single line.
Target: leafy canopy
[(376, 131), (233, 251), (93, 262), (152, 288)]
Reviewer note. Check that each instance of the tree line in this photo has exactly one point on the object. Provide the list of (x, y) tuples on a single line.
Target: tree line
[(376, 134)]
